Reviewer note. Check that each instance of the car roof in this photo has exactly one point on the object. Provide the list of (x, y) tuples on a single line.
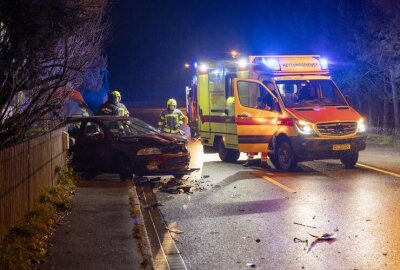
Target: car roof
[(99, 117)]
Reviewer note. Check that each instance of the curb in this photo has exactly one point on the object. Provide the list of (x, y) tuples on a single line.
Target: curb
[(144, 243)]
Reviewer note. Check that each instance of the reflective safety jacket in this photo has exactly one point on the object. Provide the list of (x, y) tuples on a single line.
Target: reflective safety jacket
[(112, 108), (170, 121)]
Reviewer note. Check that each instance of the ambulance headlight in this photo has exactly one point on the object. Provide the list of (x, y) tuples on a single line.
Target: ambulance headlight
[(271, 63), (324, 63), (304, 127), (149, 151), (361, 126)]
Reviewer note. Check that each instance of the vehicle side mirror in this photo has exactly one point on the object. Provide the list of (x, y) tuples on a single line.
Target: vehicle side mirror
[(71, 141), (98, 136), (348, 99)]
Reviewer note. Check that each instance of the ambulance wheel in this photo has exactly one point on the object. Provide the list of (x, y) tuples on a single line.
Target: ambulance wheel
[(227, 155), (274, 161), (284, 156), (349, 161)]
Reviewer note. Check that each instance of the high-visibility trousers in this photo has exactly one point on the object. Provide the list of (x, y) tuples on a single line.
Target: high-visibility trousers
[(264, 156)]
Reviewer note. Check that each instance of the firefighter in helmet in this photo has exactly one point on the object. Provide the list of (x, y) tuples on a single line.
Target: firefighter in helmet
[(171, 118), (113, 105)]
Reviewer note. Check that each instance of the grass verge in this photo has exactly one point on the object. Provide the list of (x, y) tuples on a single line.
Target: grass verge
[(27, 242), (383, 139)]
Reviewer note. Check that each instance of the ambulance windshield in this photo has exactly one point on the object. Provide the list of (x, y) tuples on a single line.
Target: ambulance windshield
[(310, 93)]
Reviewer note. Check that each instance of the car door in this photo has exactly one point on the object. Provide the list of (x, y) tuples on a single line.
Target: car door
[(93, 147), (255, 125)]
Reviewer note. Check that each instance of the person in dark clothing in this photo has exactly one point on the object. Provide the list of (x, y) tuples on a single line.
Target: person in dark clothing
[(113, 105)]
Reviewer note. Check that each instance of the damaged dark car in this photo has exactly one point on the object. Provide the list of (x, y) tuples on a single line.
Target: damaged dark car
[(124, 145)]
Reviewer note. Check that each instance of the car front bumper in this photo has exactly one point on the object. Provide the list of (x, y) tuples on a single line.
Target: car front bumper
[(314, 148), (164, 164)]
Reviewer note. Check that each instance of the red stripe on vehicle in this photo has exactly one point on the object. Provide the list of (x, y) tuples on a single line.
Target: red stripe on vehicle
[(256, 121)]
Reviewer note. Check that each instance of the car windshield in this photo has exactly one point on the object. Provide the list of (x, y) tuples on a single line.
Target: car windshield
[(129, 127), (310, 93)]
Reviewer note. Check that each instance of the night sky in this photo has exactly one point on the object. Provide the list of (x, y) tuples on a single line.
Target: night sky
[(151, 40)]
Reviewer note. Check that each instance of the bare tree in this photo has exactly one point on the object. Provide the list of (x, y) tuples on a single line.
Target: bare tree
[(378, 51), (44, 49)]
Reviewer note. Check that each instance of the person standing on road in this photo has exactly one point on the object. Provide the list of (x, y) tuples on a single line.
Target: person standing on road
[(171, 118), (262, 104), (113, 105)]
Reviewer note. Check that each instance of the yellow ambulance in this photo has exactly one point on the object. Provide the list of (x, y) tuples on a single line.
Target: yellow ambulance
[(285, 105)]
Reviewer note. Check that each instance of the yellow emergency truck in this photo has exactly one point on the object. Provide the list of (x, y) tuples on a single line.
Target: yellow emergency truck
[(304, 115)]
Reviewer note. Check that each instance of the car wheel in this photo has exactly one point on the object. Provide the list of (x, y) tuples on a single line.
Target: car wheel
[(284, 157), (124, 168), (88, 175), (227, 155), (350, 160)]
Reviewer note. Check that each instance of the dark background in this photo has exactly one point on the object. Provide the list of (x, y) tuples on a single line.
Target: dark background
[(151, 40)]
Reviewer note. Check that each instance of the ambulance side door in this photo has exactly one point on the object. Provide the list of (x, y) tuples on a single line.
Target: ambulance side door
[(255, 125)]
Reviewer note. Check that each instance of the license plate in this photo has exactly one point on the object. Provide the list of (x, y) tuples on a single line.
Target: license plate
[(338, 147)]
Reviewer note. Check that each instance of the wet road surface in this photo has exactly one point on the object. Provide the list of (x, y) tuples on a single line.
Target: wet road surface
[(240, 216)]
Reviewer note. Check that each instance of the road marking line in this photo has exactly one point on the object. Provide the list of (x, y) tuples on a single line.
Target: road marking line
[(378, 170), (288, 189), (272, 181)]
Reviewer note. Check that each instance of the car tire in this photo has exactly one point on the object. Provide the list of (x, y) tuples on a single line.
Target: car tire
[(227, 155), (284, 158), (274, 161), (124, 168), (88, 175), (350, 160)]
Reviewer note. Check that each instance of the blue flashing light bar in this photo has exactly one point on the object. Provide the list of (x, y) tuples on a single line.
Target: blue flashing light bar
[(324, 63), (271, 63)]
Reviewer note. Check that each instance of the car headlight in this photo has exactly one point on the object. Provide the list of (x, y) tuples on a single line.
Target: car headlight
[(361, 126), (304, 127), (148, 151)]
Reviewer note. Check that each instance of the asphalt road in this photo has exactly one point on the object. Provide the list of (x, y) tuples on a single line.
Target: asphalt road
[(246, 215)]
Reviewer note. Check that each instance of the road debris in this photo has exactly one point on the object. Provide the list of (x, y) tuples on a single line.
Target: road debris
[(252, 265), (298, 240), (174, 229), (235, 196), (325, 236), (258, 240), (304, 225), (153, 205)]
